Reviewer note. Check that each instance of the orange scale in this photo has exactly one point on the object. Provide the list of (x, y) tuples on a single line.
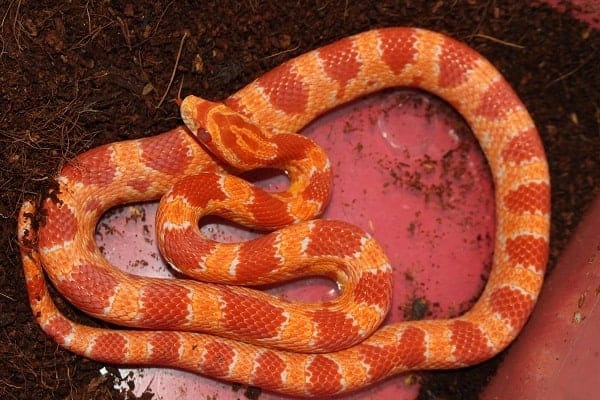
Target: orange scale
[(323, 372), (397, 52), (217, 359), (374, 287), (268, 370), (257, 259), (512, 305), (267, 211), (290, 94), (92, 204), (140, 184), (96, 166), (107, 345), (164, 348), (334, 329), (89, 288), (54, 234), (379, 359), (340, 62), (497, 101), (470, 344), (529, 198), (186, 249), (198, 190), (524, 147), (411, 348), (527, 250), (314, 190), (59, 328), (249, 318), (167, 153), (36, 289), (454, 69), (163, 306), (334, 238)]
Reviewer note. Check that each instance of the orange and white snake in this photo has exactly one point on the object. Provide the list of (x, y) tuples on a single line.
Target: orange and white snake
[(251, 337)]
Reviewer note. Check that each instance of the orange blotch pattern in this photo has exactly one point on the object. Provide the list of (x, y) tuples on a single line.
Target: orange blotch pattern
[(216, 359), (411, 348), (248, 317), (166, 153), (329, 324), (497, 101), (172, 310), (524, 147), (164, 348), (95, 166), (268, 370), (513, 305), (89, 288), (409, 351), (199, 189), (528, 251), (455, 61), (397, 50), (317, 187), (36, 289), (106, 345), (374, 288), (185, 247), (529, 198), (286, 89), (334, 238), (341, 62), (258, 258), (324, 373), (140, 184), (470, 344), (268, 211), (60, 226), (58, 328), (291, 147)]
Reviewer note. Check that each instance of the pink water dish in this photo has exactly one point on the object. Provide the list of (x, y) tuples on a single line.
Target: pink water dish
[(408, 171)]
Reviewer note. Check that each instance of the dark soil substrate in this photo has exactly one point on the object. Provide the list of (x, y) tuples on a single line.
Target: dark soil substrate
[(78, 74)]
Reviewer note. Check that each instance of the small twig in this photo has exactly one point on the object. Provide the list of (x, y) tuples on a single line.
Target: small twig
[(567, 74), (179, 100), (125, 30), (89, 18), (7, 296), (185, 33), (14, 23), (281, 52), (493, 39), (162, 15)]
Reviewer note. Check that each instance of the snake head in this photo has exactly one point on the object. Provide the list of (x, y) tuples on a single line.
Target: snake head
[(190, 108)]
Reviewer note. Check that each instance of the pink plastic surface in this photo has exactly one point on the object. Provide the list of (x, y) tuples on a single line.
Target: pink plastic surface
[(408, 172), (557, 355)]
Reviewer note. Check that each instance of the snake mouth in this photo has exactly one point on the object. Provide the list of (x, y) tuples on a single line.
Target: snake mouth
[(188, 113)]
